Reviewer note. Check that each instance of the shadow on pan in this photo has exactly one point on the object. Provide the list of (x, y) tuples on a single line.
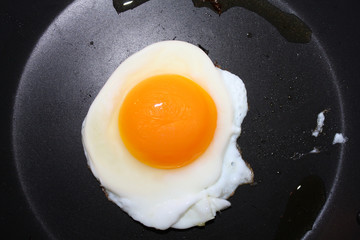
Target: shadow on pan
[(288, 84)]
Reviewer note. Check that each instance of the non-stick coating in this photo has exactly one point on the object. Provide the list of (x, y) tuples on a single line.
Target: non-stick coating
[(288, 85)]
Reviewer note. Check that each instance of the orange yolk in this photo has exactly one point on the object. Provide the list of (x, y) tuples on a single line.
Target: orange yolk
[(167, 121)]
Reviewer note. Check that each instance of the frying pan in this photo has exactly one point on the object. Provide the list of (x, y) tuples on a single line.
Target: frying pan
[(56, 55)]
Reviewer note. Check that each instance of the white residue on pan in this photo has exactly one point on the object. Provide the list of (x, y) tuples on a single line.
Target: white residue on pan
[(320, 124), (315, 150), (339, 138), (298, 155)]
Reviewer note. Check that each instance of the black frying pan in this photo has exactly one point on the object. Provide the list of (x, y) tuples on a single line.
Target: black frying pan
[(49, 191)]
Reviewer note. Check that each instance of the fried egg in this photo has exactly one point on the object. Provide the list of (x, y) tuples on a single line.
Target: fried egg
[(160, 136)]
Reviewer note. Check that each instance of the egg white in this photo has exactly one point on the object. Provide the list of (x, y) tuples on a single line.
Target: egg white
[(159, 198)]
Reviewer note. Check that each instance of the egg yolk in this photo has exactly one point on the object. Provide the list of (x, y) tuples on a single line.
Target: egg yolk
[(167, 121)]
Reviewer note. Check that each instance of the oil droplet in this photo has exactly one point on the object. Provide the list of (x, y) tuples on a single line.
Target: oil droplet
[(292, 28), (124, 5), (304, 204), (249, 35)]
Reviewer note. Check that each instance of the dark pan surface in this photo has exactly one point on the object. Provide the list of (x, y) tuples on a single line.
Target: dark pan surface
[(288, 84)]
